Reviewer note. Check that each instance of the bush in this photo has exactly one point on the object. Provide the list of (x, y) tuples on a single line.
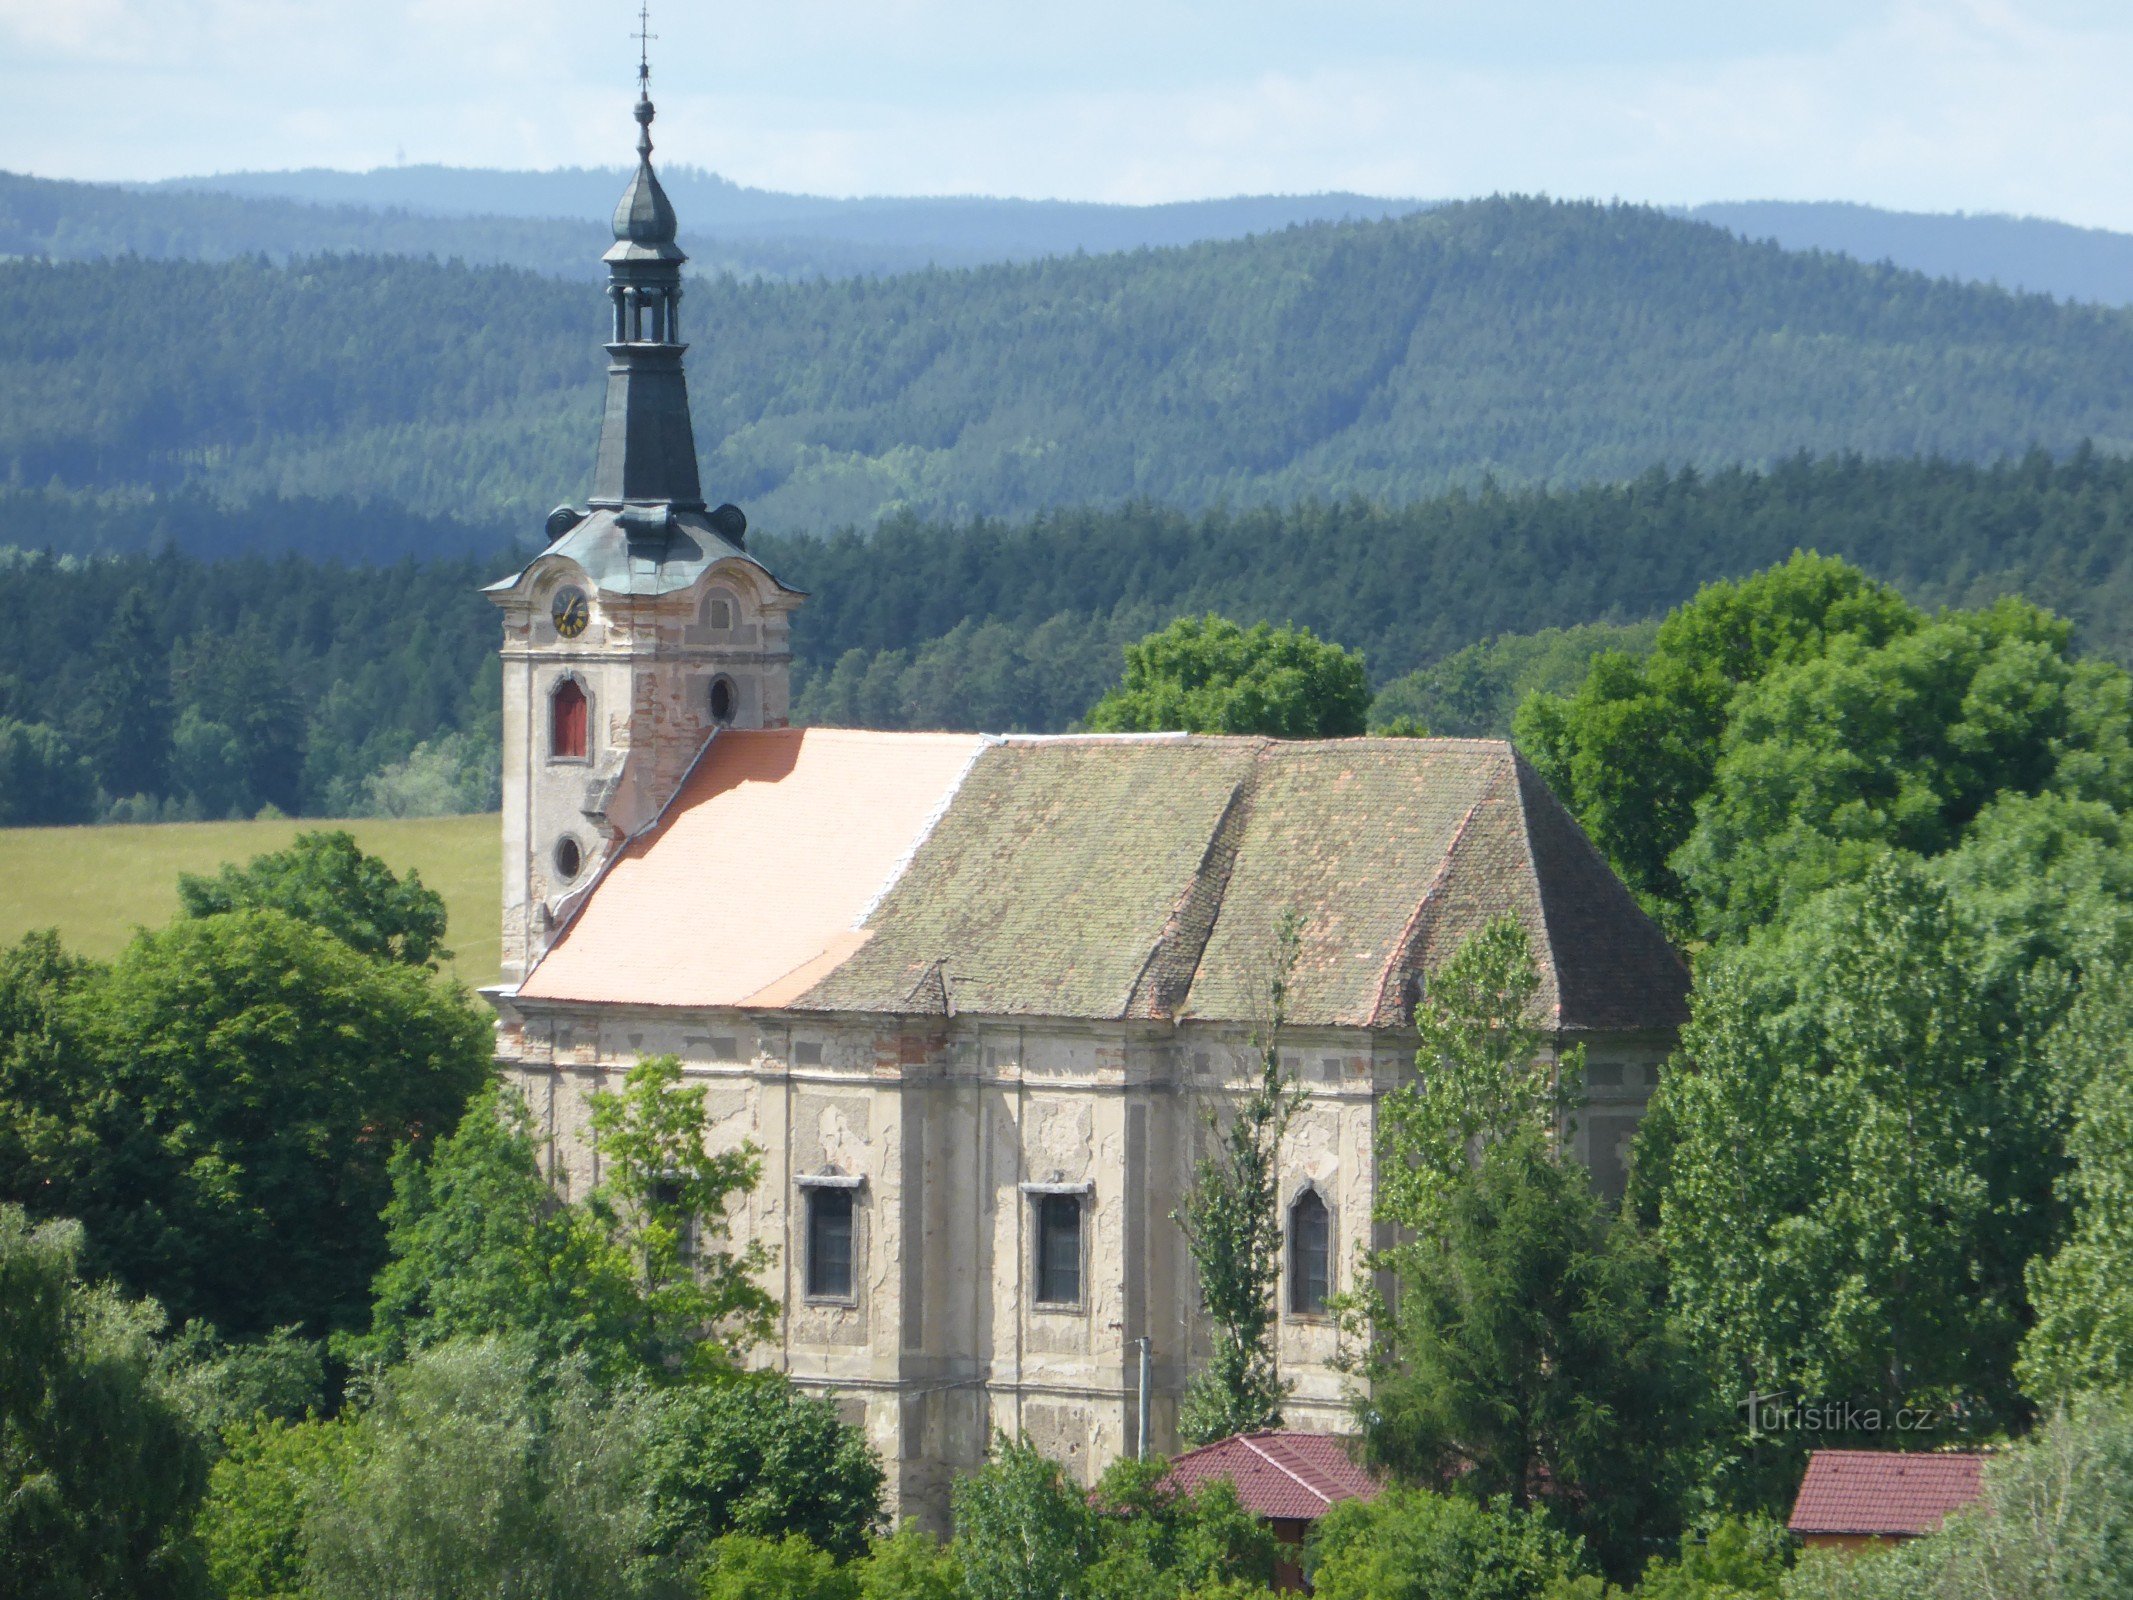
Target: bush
[(1409, 1544), (744, 1567)]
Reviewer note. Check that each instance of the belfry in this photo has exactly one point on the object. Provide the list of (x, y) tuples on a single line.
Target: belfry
[(645, 626)]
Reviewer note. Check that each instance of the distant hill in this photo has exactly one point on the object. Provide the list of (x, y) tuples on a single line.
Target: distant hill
[(550, 222), (2030, 253), (1535, 342)]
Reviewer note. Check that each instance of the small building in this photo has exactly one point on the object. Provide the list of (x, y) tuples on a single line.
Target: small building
[(1291, 1479), (1853, 1498)]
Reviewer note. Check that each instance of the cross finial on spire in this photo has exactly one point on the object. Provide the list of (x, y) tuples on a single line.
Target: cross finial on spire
[(645, 36)]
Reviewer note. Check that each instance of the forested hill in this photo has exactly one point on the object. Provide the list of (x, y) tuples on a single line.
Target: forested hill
[(1535, 342)]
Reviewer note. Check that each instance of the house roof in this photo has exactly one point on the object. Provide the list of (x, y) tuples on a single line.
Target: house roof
[(1104, 877), (1278, 1474), (1886, 1492)]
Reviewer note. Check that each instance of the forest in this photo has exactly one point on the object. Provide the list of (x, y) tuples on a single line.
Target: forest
[(1532, 342), (355, 655)]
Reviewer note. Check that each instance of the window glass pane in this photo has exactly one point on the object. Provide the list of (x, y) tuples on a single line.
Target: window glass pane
[(1310, 1253), (829, 1242), (1059, 1249)]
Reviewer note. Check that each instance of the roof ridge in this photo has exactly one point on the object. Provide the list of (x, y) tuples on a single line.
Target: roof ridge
[(1544, 957), (1403, 947), (1248, 1442)]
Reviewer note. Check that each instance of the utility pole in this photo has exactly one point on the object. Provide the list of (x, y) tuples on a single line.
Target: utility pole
[(1147, 1382)]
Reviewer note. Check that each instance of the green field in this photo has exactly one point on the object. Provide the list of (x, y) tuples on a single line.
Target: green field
[(96, 885)]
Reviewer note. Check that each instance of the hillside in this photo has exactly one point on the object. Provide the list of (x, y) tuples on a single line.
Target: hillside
[(1528, 341)]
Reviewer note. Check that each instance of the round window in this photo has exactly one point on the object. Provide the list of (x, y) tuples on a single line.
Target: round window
[(568, 858), (721, 699)]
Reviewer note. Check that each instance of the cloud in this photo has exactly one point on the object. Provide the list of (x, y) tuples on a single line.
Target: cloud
[(1955, 104)]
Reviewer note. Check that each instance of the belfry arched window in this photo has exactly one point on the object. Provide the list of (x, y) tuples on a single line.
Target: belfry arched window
[(567, 720), (1310, 1254)]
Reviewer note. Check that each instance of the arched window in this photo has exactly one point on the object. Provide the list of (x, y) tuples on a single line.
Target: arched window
[(1310, 1254), (722, 700), (567, 719)]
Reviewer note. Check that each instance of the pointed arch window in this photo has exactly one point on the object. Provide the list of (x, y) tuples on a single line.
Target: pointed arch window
[(1310, 1254), (567, 720)]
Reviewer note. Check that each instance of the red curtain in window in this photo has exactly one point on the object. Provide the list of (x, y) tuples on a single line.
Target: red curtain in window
[(566, 720)]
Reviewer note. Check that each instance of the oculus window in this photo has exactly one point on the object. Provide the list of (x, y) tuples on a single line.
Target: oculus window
[(1058, 1249), (567, 720), (1310, 1254), (829, 1243)]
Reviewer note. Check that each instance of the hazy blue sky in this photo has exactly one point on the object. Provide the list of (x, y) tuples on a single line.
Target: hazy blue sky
[(2007, 105)]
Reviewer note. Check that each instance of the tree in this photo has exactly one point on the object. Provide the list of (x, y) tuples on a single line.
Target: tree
[(2083, 1294), (324, 879), (478, 1245), (1530, 1356), (251, 1526), (221, 1109), (1482, 1072), (122, 722), (1164, 1543), (1526, 1351), (910, 1565), (99, 1473), (1857, 1166), (42, 782), (240, 726), (754, 1456), (745, 1566), (474, 1471), (662, 1199), (1833, 761), (1022, 1531), (1634, 750), (1232, 1225), (1208, 675), (1410, 1544)]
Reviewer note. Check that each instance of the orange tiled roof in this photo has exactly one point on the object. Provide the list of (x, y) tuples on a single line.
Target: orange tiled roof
[(1887, 1492), (757, 878)]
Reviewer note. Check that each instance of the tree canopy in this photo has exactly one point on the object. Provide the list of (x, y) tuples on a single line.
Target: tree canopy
[(1208, 675)]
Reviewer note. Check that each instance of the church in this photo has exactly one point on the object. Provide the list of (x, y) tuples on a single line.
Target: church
[(974, 997)]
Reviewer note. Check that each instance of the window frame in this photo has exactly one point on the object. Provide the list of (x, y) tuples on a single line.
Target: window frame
[(1293, 1287), (582, 757), (1042, 1197), (813, 1186)]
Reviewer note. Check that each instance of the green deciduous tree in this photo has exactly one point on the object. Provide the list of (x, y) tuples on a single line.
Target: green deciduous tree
[(1411, 1544), (221, 1109), (1208, 675), (1857, 1162), (1633, 751), (99, 1472), (754, 1456), (42, 781), (1232, 1225), (1164, 1544), (324, 879), (475, 1471), (1022, 1531), (252, 1524), (1830, 762), (662, 1200), (745, 1566)]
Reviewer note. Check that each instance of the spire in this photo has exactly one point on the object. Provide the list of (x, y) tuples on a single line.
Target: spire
[(647, 448)]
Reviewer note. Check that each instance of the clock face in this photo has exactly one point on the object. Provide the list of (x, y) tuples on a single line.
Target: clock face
[(571, 611)]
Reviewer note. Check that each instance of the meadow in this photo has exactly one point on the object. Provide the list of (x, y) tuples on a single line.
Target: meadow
[(96, 885)]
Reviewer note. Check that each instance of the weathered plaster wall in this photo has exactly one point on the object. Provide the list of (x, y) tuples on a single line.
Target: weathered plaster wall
[(945, 1120)]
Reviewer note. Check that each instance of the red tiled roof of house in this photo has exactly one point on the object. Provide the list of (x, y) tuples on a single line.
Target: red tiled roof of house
[(1279, 1474), (1887, 1492)]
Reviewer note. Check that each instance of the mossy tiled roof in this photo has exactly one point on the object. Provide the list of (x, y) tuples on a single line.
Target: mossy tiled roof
[(1112, 877)]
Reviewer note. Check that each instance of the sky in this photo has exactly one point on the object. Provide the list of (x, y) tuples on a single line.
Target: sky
[(2022, 106)]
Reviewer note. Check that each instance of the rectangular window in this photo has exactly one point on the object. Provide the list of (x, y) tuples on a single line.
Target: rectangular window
[(829, 1243), (1059, 1249)]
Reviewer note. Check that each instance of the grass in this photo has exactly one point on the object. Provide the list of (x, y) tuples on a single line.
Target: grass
[(96, 885)]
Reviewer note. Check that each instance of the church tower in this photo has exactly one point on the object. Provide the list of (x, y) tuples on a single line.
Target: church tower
[(645, 627)]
